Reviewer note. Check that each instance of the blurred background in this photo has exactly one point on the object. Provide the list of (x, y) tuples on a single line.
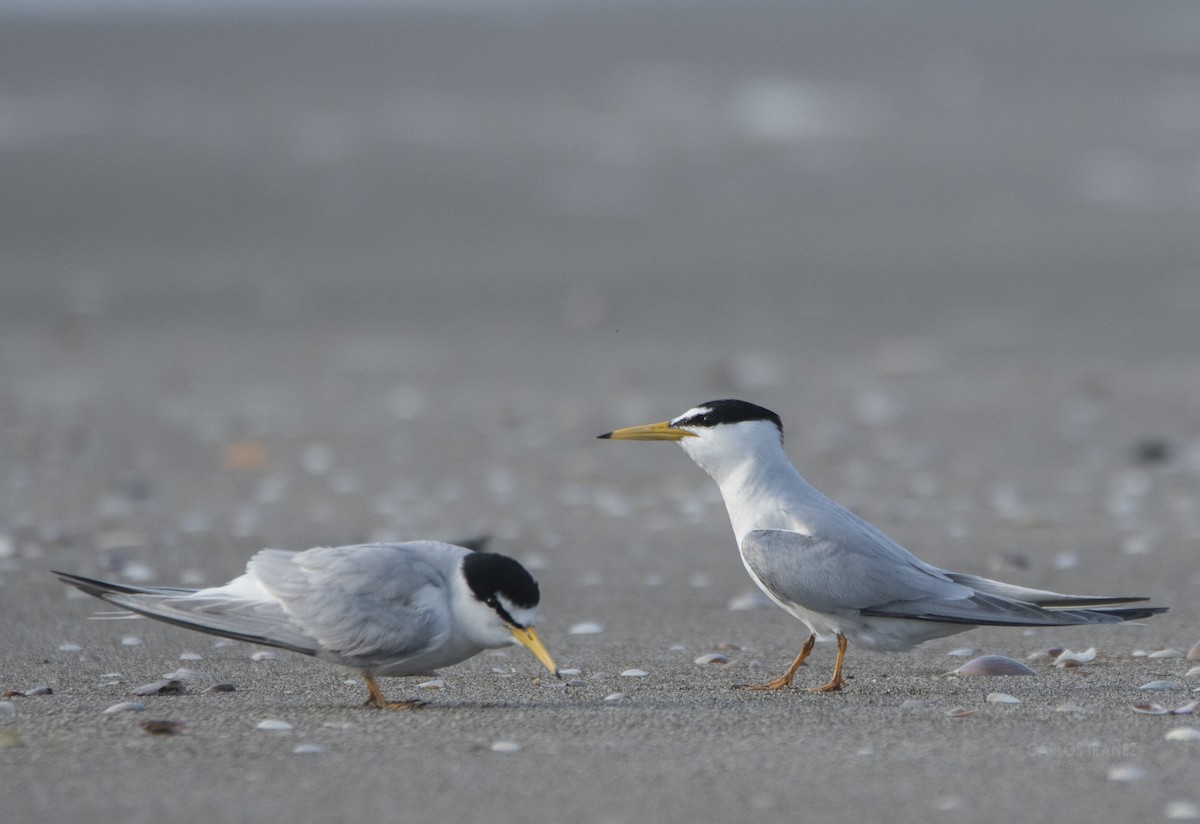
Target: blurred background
[(297, 273)]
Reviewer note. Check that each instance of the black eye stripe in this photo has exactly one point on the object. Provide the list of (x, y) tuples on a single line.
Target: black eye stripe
[(495, 604), (729, 410)]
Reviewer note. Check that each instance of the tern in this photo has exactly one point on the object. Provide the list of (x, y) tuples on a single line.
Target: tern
[(839, 575), (381, 609)]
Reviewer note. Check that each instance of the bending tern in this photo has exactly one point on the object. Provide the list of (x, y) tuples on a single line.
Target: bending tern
[(835, 572), (382, 609)]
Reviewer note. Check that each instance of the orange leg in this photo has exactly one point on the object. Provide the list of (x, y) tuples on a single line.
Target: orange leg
[(376, 698), (836, 682), (785, 680)]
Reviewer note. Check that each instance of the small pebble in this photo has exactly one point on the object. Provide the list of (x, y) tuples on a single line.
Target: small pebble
[(306, 748), (131, 641), (265, 655), (434, 684), (505, 746), (634, 673), (1126, 772), (125, 706), (222, 688), (1161, 685), (69, 648), (167, 686), (273, 724), (586, 629), (1002, 698), (571, 671), (163, 727), (1183, 734), (36, 691), (1166, 653), (1182, 811)]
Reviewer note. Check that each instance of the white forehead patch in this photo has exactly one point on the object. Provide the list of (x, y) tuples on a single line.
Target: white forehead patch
[(694, 411)]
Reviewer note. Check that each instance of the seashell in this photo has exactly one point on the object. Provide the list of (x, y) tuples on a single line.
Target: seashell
[(713, 658), (125, 706), (167, 686), (600, 675), (505, 746), (616, 698), (116, 675), (961, 652), (575, 682), (131, 641), (184, 674), (222, 688), (224, 643), (435, 684), (191, 656), (1193, 654), (272, 724), (993, 665), (306, 748), (36, 691), (1151, 709), (265, 655), (1166, 653), (960, 712), (1126, 772), (586, 628), (1183, 734), (1002, 698), (1161, 685), (572, 671), (163, 727), (1187, 709), (1182, 811), (1194, 672), (1067, 658), (1045, 652), (634, 673)]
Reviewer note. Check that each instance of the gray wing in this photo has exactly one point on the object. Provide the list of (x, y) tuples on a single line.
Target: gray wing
[(836, 576), (365, 602)]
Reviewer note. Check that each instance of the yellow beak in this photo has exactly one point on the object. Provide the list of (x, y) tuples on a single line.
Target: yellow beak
[(650, 432), (529, 639)]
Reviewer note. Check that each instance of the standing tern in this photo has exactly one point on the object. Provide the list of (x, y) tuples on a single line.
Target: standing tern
[(842, 577), (381, 609)]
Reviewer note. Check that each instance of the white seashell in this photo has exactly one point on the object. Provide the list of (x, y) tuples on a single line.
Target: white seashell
[(993, 665), (167, 686), (1183, 734), (1166, 653), (713, 658), (224, 643), (191, 656), (1187, 709), (1045, 652), (1151, 709), (131, 641), (1126, 772), (1161, 685), (1194, 672), (1002, 698), (1182, 811), (36, 691), (69, 647), (306, 748), (184, 674), (616, 698), (960, 712), (1193, 654), (634, 673), (572, 671), (273, 724), (435, 684), (961, 652), (505, 746), (125, 706), (586, 628), (265, 655), (1067, 658)]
